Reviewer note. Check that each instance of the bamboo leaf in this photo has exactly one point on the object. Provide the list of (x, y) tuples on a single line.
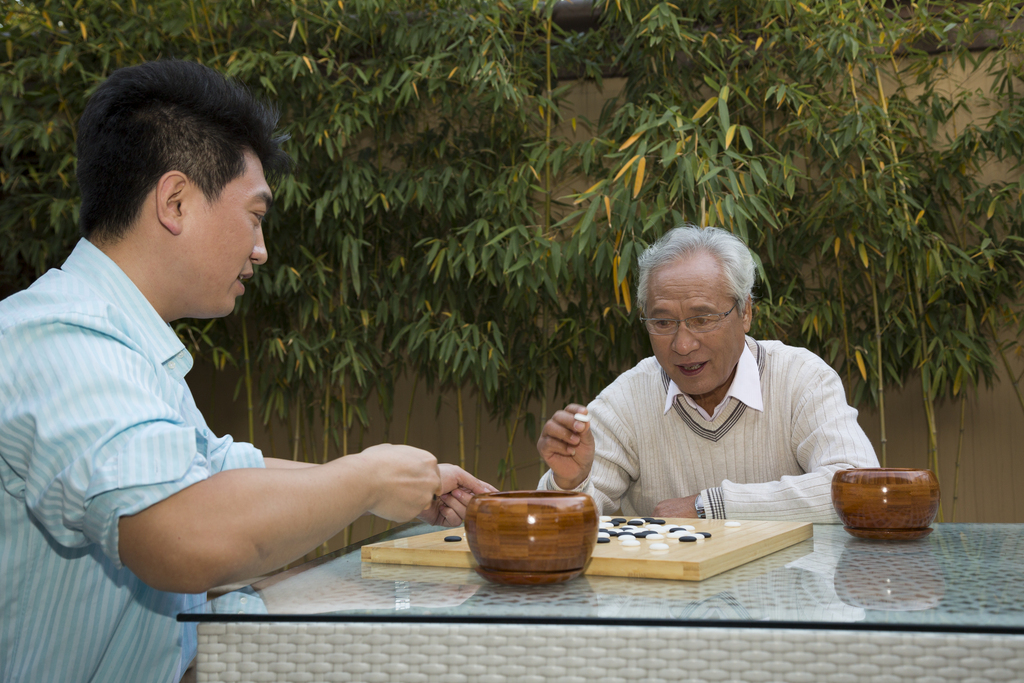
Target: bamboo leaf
[(705, 108), (633, 138), (638, 182), (624, 168), (588, 191), (860, 365)]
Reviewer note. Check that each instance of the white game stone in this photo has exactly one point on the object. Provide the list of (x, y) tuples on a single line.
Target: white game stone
[(581, 417), (654, 537), (677, 534), (601, 534), (659, 546), (629, 541), (623, 537), (732, 524), (605, 518), (687, 527), (605, 525)]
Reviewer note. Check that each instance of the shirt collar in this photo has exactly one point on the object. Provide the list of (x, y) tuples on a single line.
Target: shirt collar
[(88, 263), (745, 387)]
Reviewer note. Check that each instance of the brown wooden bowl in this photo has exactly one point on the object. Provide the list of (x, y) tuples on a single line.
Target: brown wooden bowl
[(886, 503), (531, 537)]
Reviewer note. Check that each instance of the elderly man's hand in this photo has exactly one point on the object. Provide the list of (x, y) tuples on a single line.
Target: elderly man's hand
[(567, 446), (677, 507), (457, 488)]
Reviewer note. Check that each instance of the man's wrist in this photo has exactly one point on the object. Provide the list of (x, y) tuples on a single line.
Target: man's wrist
[(698, 504), (577, 487)]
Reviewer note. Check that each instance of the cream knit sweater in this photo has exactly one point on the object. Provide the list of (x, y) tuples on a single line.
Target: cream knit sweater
[(775, 465)]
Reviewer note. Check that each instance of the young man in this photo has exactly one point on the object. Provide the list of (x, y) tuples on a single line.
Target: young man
[(119, 508), (716, 424)]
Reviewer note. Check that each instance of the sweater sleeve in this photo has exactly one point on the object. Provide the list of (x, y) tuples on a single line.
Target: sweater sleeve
[(825, 438)]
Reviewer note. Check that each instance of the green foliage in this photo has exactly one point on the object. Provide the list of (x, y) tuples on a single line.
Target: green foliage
[(426, 229)]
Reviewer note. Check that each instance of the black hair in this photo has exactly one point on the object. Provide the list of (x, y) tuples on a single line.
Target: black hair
[(167, 115)]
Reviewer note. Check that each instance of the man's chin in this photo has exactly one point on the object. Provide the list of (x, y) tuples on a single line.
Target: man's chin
[(212, 312)]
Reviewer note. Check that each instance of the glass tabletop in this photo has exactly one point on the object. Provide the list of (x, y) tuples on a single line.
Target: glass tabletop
[(962, 577)]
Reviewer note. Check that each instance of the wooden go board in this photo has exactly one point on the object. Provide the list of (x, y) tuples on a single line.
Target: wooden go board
[(728, 547)]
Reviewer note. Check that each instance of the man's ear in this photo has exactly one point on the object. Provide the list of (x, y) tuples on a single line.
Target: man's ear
[(748, 314), (171, 190)]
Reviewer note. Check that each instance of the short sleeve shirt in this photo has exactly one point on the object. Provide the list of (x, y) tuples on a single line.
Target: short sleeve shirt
[(96, 422)]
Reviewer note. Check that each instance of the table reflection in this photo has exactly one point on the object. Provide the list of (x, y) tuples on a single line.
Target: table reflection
[(889, 576), (967, 576)]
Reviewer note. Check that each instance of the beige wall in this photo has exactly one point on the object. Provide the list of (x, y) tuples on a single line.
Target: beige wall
[(989, 478)]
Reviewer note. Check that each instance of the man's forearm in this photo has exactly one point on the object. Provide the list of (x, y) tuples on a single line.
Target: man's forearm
[(246, 522), (279, 464)]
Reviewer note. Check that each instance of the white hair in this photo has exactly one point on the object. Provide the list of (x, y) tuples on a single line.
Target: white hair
[(728, 250)]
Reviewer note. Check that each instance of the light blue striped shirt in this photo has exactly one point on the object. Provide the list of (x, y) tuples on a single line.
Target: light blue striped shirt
[(96, 422)]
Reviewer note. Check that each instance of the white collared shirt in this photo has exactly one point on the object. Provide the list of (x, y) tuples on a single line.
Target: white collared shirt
[(745, 387)]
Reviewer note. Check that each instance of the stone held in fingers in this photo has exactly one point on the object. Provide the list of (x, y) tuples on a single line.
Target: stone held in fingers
[(582, 417)]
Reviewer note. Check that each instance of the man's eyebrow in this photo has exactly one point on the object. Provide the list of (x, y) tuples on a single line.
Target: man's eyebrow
[(267, 198)]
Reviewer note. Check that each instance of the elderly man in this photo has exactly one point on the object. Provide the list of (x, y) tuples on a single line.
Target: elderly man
[(717, 424)]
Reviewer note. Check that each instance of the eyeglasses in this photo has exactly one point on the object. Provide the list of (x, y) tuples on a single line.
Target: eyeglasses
[(698, 324)]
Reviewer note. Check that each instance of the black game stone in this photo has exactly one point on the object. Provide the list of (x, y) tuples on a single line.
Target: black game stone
[(705, 534), (619, 520), (452, 539), (687, 539), (604, 540)]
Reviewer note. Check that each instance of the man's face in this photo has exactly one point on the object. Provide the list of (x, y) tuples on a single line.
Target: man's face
[(701, 364), (226, 241)]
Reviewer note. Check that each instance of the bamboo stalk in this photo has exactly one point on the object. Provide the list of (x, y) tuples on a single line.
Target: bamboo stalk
[(476, 437), (543, 397), (926, 394), (297, 432), (270, 436), (547, 133), (846, 333), (344, 417), (510, 472), (408, 414), (1015, 381), (462, 429), (344, 443), (878, 351), (248, 379), (959, 453), (327, 418)]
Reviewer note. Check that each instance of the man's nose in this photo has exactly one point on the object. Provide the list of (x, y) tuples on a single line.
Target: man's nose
[(684, 342), (259, 250)]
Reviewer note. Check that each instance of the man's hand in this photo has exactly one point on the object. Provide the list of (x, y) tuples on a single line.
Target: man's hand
[(567, 446), (407, 477), (677, 507), (457, 488)]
